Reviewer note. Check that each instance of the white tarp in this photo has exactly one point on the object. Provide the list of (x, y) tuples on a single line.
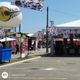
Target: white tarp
[(7, 39), (32, 4)]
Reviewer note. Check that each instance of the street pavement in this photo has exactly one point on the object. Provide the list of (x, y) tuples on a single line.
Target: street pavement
[(44, 68)]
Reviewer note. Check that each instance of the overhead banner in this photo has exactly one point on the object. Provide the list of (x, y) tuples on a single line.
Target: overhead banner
[(32, 4)]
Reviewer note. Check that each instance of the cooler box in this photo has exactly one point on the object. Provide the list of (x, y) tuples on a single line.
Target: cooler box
[(5, 54)]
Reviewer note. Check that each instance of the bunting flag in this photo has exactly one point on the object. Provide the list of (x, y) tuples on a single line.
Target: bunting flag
[(31, 4), (52, 30)]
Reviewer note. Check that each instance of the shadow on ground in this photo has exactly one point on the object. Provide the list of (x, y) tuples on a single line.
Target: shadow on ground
[(3, 63), (54, 55)]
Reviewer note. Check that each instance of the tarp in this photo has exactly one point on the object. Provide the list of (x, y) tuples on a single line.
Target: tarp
[(32, 4), (7, 39), (70, 25)]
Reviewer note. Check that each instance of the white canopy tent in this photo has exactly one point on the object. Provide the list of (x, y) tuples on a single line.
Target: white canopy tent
[(30, 34), (7, 39), (70, 25)]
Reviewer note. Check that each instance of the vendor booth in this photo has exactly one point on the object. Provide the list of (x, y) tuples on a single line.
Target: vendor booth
[(73, 26), (31, 42), (72, 47)]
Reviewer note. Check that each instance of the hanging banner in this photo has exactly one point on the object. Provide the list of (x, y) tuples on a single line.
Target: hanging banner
[(32, 4)]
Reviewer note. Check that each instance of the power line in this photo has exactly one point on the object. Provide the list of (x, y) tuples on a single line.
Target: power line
[(66, 13)]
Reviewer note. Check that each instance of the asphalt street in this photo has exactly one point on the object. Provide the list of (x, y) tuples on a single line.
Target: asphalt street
[(45, 68)]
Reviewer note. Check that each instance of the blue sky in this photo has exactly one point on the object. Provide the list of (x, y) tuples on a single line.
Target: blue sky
[(60, 11)]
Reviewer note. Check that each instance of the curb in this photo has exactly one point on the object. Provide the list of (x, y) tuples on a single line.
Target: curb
[(19, 62)]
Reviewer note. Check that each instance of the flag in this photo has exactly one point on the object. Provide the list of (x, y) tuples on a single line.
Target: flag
[(31, 4), (52, 30)]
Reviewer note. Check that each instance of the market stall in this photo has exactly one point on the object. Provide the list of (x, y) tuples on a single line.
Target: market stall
[(69, 49)]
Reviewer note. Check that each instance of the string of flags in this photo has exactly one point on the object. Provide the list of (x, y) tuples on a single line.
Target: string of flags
[(31, 4)]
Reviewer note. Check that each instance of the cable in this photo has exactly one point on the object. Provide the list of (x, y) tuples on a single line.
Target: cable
[(66, 13)]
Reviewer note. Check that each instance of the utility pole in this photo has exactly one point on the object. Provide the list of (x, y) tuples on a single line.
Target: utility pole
[(52, 37), (19, 27), (47, 30)]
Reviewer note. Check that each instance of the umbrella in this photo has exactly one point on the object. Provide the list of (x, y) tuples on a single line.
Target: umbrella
[(7, 39)]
